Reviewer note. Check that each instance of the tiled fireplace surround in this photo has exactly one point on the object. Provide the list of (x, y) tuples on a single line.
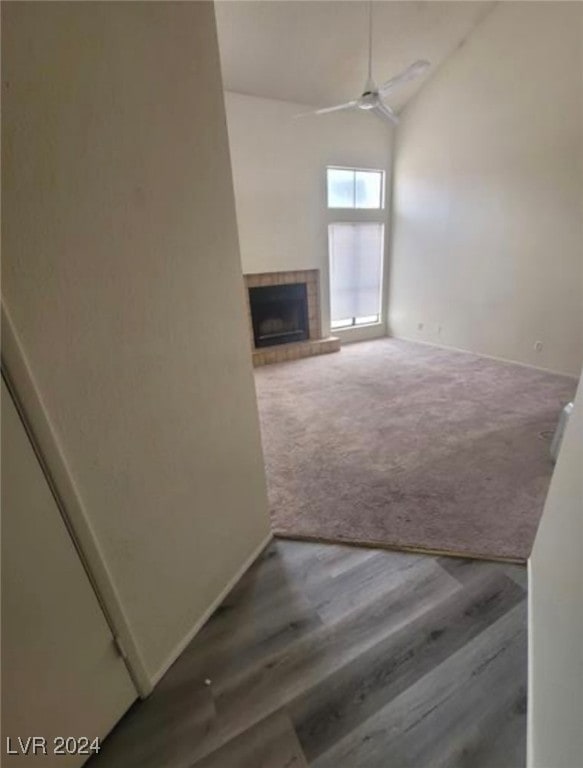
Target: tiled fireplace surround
[(316, 344)]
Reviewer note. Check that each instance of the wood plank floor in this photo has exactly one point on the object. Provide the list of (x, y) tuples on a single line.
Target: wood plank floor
[(342, 657)]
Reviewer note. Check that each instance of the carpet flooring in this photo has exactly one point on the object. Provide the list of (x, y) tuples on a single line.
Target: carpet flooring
[(403, 445)]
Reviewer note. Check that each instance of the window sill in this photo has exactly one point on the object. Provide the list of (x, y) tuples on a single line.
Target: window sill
[(346, 328)]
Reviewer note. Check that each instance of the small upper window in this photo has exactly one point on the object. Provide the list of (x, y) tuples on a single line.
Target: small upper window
[(353, 188)]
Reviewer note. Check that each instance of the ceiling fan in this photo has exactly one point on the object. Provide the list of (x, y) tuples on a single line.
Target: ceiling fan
[(372, 96)]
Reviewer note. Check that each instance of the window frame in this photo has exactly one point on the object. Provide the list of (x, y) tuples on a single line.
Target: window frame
[(356, 170), (338, 215), (354, 324)]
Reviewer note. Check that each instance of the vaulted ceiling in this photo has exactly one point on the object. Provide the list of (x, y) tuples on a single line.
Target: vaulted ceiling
[(316, 52)]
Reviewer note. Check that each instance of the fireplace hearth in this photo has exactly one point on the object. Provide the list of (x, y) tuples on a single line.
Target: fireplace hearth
[(284, 316), (279, 314)]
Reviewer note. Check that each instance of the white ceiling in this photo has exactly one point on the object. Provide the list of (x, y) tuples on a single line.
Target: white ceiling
[(315, 52)]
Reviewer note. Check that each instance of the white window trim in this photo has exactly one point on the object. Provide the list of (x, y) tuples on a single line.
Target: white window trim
[(381, 320), (358, 216), (340, 209)]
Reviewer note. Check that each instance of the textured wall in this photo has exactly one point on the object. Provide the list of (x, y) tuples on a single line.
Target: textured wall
[(122, 275), (488, 197), (279, 174), (556, 612)]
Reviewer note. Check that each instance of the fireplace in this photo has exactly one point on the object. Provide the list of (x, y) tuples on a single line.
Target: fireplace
[(284, 316), (279, 314)]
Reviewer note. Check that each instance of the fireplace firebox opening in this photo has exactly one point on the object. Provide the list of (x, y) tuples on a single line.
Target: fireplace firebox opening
[(279, 314)]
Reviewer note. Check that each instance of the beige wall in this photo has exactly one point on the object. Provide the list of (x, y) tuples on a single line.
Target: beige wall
[(122, 276), (279, 174), (61, 672), (556, 613), (488, 198)]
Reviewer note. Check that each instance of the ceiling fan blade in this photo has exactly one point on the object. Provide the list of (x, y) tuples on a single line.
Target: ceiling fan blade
[(412, 71), (385, 113), (325, 110)]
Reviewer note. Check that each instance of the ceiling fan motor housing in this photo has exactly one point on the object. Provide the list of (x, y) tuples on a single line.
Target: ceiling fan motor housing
[(368, 100)]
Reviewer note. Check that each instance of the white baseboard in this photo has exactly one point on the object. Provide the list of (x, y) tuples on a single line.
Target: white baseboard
[(483, 354), (179, 648)]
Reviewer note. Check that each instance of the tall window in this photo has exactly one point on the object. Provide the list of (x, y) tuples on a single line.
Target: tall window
[(356, 245)]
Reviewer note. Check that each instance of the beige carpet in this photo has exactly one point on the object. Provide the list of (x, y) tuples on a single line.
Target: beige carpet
[(396, 444)]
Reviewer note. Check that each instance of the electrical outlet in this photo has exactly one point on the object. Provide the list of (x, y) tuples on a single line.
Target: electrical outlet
[(538, 346), (419, 326)]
